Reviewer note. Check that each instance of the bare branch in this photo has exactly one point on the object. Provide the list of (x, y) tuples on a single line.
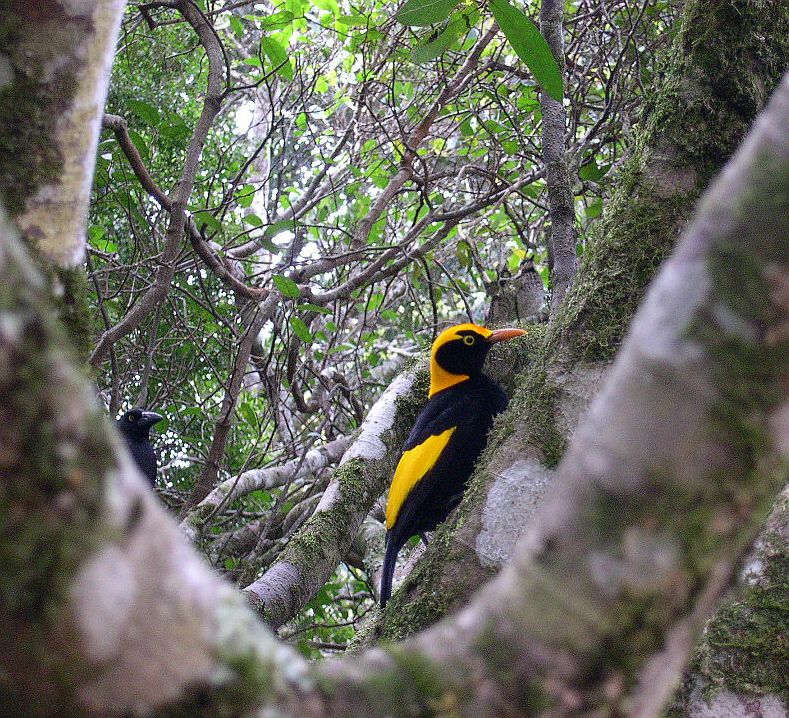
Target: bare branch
[(562, 239), (180, 200)]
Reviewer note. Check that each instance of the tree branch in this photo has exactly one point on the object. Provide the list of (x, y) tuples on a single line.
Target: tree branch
[(269, 478), (562, 238), (314, 552), (175, 229), (644, 528)]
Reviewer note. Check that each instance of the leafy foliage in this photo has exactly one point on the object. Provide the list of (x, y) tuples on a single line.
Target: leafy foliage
[(309, 185)]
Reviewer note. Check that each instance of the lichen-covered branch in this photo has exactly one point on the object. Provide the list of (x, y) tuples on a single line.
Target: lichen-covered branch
[(561, 201), (55, 70), (106, 610), (268, 478), (55, 61), (314, 552)]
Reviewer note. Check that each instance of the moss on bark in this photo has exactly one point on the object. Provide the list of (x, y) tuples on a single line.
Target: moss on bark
[(30, 101), (53, 465), (726, 59), (32, 98)]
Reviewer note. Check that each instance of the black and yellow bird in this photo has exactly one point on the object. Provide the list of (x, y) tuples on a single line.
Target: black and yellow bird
[(447, 439)]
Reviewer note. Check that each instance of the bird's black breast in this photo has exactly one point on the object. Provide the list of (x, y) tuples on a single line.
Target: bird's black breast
[(470, 408), (144, 456)]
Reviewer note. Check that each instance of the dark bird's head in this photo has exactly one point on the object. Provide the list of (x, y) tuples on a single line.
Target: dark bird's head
[(459, 352), (136, 423)]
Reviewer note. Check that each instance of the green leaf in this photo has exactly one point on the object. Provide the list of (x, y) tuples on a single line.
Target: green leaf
[(427, 51), (285, 225), (463, 251), (245, 195), (421, 13), (300, 329), (276, 21), (147, 113), (307, 307), (97, 240), (174, 128), (236, 26), (140, 144), (286, 286), (594, 209), (530, 46), (278, 55), (248, 414), (511, 147), (205, 218), (352, 20), (593, 172)]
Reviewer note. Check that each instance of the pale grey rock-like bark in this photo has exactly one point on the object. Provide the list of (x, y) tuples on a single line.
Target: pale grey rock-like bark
[(56, 68), (547, 636), (512, 501)]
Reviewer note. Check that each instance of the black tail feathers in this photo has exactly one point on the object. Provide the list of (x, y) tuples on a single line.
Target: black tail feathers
[(387, 571)]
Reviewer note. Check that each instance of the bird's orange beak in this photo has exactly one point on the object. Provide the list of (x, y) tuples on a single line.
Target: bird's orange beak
[(502, 335)]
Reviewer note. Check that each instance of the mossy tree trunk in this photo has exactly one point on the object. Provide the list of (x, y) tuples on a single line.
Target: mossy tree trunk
[(741, 666), (55, 60), (107, 611), (726, 59)]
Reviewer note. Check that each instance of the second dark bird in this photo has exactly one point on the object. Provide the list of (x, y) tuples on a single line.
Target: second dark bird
[(447, 439), (135, 426)]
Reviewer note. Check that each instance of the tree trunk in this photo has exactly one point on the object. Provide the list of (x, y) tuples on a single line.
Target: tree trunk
[(107, 611), (725, 60), (55, 65)]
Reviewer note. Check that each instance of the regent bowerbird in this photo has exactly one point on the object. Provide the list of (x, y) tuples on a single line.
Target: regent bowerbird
[(446, 441), (135, 426)]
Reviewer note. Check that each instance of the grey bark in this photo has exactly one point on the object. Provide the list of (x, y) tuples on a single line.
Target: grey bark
[(54, 72), (601, 604), (314, 552), (651, 203), (561, 201)]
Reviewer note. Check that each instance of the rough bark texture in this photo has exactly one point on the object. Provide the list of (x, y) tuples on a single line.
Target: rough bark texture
[(55, 60), (314, 552), (107, 611), (725, 61), (561, 202), (741, 667), (694, 120)]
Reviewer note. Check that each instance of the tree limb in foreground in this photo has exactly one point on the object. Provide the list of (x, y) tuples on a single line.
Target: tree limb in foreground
[(106, 610)]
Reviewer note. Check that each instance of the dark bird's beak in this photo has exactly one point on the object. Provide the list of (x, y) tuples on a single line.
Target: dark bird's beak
[(502, 335), (149, 418)]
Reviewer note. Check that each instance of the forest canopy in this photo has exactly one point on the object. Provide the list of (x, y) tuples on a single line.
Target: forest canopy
[(310, 181), (254, 219)]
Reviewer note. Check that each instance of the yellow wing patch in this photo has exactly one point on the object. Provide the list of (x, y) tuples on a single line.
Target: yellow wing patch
[(413, 465)]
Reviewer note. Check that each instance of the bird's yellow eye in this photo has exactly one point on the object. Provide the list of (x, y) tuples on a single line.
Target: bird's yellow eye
[(469, 339), (130, 419)]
